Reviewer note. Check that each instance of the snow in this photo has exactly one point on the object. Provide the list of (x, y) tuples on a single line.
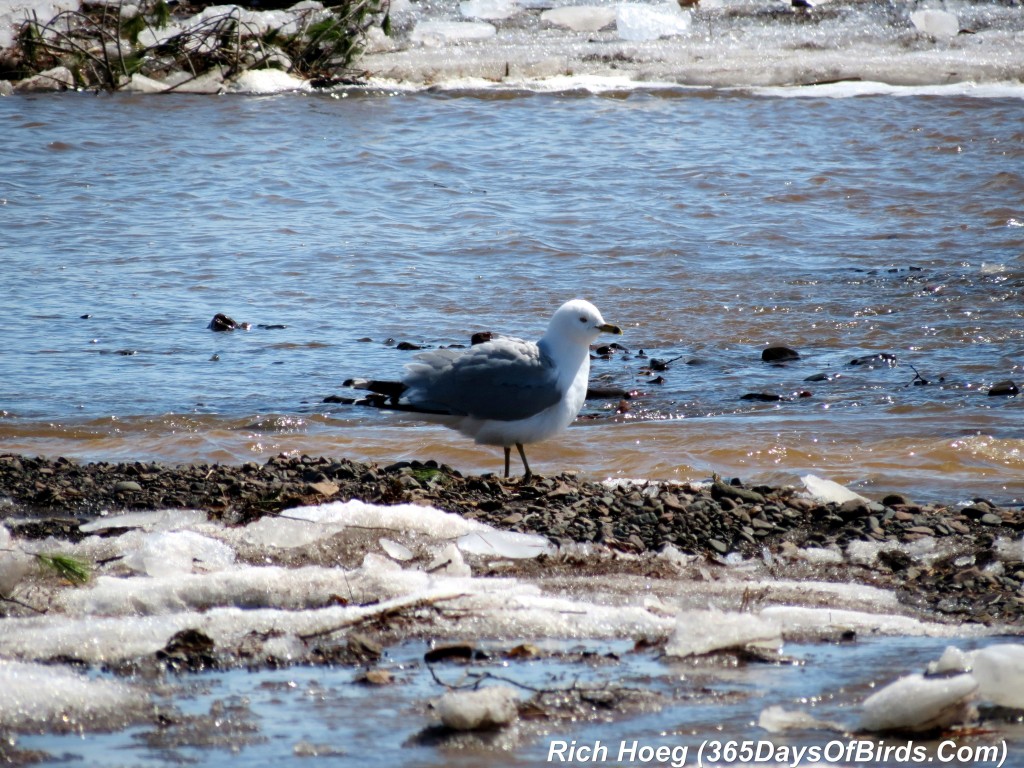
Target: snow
[(486, 708), (915, 703)]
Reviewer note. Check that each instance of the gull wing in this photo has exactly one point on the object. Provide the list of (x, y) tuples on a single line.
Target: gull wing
[(504, 379)]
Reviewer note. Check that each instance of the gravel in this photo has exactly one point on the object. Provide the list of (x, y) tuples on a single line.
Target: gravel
[(973, 579)]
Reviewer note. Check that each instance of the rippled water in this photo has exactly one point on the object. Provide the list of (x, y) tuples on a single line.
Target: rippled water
[(709, 224)]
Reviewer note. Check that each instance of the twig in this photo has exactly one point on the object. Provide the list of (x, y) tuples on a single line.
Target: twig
[(423, 602)]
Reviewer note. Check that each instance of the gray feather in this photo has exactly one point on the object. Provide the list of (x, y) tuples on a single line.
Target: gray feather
[(504, 379)]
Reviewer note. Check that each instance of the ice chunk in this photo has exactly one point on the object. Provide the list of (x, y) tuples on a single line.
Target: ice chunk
[(38, 696), (639, 21), (916, 703), (504, 544), (938, 24), (486, 708), (580, 18), (169, 552), (778, 720), (701, 632), (999, 670), (952, 660), (166, 520), (449, 562), (267, 81), (488, 9), (395, 550), (434, 34), (828, 491)]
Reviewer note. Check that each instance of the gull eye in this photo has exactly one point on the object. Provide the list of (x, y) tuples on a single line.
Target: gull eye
[(583, 319)]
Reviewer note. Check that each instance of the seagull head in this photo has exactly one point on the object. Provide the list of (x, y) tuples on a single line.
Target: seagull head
[(579, 321)]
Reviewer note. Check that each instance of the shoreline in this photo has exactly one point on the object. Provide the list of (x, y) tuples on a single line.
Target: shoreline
[(945, 563)]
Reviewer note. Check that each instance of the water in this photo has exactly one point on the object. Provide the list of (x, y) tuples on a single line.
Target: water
[(290, 715), (708, 224)]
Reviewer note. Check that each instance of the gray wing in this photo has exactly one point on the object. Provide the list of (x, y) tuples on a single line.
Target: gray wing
[(504, 379)]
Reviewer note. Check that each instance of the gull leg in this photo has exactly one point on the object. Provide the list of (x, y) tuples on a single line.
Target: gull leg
[(522, 455), (508, 452)]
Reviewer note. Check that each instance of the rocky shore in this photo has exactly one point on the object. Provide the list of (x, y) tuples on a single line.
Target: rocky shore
[(951, 563)]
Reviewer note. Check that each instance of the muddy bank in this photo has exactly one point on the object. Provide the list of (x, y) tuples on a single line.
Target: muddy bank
[(979, 576)]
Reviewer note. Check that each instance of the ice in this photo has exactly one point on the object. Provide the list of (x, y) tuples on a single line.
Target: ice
[(12, 14), (171, 552), (580, 18), (165, 520), (264, 81), (828, 491), (801, 620), (434, 34), (640, 21), (776, 719), (488, 9), (820, 556), (449, 562), (1010, 549), (915, 703), (701, 632), (999, 670), (505, 544), (486, 708), (952, 660), (937, 24), (14, 566), (395, 550), (40, 696)]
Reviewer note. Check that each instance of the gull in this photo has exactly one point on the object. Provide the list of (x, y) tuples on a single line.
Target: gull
[(504, 391)]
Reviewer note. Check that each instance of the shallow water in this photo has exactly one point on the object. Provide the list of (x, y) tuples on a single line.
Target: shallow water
[(708, 224), (291, 715)]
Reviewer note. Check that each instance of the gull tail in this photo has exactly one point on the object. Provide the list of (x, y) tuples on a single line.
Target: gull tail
[(385, 395)]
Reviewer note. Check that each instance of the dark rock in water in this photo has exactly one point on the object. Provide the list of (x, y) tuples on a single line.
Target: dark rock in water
[(873, 361), (454, 652), (127, 352), (662, 365), (339, 399), (480, 337), (821, 377), (408, 345), (1005, 388), (84, 317), (272, 327), (608, 393), (779, 355), (762, 397), (190, 650), (222, 322)]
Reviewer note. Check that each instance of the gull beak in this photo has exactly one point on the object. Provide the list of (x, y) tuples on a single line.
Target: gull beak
[(609, 328)]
